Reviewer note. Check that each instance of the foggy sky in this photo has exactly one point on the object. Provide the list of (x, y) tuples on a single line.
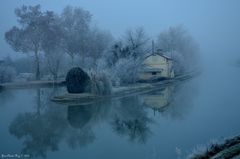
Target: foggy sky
[(214, 24)]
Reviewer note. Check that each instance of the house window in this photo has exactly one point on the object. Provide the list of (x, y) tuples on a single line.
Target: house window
[(154, 73)]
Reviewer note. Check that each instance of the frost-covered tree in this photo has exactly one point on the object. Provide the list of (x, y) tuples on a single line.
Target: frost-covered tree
[(99, 42), (125, 71), (134, 44), (28, 36), (24, 65), (75, 23), (124, 57), (53, 46), (53, 62), (7, 74), (179, 45), (7, 71)]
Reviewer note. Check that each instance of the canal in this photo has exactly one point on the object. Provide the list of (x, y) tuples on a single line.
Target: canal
[(169, 123)]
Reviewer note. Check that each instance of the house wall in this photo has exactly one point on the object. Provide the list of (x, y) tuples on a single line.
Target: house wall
[(159, 63)]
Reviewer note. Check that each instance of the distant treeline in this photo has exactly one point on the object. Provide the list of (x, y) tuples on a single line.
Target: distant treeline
[(56, 42)]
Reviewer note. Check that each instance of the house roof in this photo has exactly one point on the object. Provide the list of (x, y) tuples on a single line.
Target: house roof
[(158, 54)]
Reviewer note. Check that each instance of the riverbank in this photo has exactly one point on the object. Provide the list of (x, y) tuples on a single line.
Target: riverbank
[(121, 91), (229, 149), (31, 84), (86, 98)]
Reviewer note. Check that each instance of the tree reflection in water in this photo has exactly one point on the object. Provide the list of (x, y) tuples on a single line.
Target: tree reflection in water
[(50, 124), (130, 119), (82, 119), (41, 130), (5, 96)]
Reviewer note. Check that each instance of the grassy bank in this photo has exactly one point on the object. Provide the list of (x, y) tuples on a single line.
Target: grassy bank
[(121, 91), (228, 149), (31, 84)]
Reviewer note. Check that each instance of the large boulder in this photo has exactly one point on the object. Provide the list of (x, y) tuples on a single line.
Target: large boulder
[(78, 81)]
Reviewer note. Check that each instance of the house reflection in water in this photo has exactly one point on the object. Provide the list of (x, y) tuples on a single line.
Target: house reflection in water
[(160, 99)]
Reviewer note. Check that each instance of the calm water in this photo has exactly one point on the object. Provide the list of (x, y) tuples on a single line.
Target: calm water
[(166, 124)]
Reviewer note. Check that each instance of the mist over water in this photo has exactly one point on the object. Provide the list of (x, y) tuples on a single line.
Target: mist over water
[(200, 110), (168, 123)]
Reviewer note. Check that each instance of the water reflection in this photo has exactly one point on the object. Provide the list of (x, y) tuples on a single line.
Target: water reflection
[(181, 101), (42, 129), (173, 101), (79, 116), (50, 124), (5, 96), (82, 119), (157, 100), (130, 119)]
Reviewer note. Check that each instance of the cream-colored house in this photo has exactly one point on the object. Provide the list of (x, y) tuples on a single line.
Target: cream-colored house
[(156, 66)]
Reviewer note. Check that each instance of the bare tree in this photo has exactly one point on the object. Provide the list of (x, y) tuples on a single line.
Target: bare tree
[(125, 56), (7, 73), (53, 62), (75, 23), (125, 71), (134, 44), (53, 46), (179, 44), (99, 42), (24, 64), (28, 38), (136, 41)]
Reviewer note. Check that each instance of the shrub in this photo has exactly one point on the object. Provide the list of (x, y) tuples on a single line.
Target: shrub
[(100, 83), (126, 71), (7, 74), (77, 81)]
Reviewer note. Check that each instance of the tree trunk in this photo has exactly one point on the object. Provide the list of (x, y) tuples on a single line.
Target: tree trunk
[(55, 76), (37, 66), (72, 60), (57, 70), (38, 102)]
